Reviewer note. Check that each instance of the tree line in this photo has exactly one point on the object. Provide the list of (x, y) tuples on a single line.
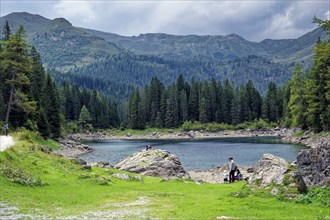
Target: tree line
[(310, 91), (302, 102), (170, 107), (30, 98)]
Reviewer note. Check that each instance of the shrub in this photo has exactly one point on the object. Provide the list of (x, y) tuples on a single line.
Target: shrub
[(20, 176)]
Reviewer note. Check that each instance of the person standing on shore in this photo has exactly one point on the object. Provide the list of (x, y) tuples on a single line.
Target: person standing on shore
[(6, 129), (232, 168)]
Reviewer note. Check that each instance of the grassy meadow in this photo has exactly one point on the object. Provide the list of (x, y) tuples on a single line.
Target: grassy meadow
[(44, 185)]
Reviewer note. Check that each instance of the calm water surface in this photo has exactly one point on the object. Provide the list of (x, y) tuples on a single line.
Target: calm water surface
[(198, 154)]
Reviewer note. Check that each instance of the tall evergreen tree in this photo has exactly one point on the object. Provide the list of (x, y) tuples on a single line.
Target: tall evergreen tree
[(298, 103), (52, 111), (16, 66), (194, 102), (227, 99), (38, 76), (205, 104), (318, 110), (184, 106), (6, 32), (42, 123), (271, 104), (84, 117)]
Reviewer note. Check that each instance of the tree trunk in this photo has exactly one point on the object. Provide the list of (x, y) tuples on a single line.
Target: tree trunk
[(10, 103)]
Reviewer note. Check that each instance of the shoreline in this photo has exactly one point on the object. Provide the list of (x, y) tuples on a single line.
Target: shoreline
[(73, 146), (182, 135)]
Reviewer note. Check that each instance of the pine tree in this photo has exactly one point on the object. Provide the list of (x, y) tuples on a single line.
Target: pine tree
[(227, 98), (298, 103), (84, 117), (16, 68), (2, 104), (6, 32), (205, 105), (194, 102), (318, 110), (213, 99), (271, 104), (42, 123), (235, 107), (156, 91), (38, 76), (184, 106), (52, 111)]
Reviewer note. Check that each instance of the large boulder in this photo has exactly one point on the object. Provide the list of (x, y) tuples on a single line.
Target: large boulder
[(313, 165), (156, 162), (269, 169)]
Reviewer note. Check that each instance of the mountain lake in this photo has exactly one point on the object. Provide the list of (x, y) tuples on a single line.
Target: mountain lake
[(198, 154)]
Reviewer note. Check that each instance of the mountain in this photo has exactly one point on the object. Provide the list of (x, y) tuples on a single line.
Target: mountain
[(115, 64), (166, 46), (62, 46), (221, 48)]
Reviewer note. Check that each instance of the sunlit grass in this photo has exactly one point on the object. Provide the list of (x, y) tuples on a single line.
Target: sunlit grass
[(66, 190)]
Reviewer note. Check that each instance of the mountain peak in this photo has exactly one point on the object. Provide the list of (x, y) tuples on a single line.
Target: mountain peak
[(60, 22), (235, 36)]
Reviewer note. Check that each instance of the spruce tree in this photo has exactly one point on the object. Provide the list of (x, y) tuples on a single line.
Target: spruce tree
[(84, 117), (16, 66), (226, 102), (298, 103), (52, 110), (42, 123), (194, 102)]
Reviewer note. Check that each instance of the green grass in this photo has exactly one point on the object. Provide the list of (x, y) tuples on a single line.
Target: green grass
[(66, 190)]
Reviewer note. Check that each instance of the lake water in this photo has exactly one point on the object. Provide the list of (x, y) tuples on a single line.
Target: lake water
[(198, 154)]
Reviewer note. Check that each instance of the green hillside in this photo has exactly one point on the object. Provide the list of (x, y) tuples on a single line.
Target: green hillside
[(42, 185)]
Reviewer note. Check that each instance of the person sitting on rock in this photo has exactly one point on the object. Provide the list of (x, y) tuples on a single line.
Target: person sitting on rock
[(238, 175), (225, 176), (148, 147)]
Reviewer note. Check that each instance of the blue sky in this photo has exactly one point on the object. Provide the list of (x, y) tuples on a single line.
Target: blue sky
[(253, 20)]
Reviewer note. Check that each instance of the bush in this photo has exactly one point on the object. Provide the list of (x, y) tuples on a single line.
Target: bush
[(318, 196), (20, 176)]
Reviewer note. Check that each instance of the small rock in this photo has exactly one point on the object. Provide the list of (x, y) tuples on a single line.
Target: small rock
[(99, 164), (86, 167), (274, 191), (121, 176), (250, 170)]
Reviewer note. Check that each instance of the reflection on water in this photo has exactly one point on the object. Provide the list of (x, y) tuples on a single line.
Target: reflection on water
[(198, 154)]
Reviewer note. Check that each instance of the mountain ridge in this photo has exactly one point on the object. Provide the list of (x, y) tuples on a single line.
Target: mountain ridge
[(81, 55)]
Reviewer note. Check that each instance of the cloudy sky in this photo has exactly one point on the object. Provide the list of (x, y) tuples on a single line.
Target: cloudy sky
[(255, 20)]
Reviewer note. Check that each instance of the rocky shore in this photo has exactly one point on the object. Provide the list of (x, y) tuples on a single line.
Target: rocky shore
[(312, 163), (72, 149), (171, 134), (308, 141)]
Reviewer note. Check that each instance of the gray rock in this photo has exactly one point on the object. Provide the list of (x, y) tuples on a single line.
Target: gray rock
[(86, 167), (269, 169), (313, 165), (153, 163), (302, 188), (99, 164), (121, 176), (275, 191), (250, 170)]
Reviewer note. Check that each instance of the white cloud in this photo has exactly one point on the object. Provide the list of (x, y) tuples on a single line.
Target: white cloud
[(78, 11)]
